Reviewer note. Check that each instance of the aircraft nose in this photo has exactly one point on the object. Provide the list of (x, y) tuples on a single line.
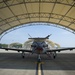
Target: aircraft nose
[(39, 48)]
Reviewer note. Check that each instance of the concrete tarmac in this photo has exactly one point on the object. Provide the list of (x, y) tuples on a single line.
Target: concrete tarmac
[(13, 64)]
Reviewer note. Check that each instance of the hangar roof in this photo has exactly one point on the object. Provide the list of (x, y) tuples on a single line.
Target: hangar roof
[(18, 12)]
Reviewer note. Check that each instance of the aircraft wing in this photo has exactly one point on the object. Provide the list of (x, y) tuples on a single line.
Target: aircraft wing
[(19, 50), (60, 49)]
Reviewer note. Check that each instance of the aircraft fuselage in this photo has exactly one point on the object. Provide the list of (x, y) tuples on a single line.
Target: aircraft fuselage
[(39, 47)]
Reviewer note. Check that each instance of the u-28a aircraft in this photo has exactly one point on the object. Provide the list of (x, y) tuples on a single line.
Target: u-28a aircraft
[(39, 46)]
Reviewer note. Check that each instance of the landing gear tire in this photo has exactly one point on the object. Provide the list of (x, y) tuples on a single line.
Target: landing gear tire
[(23, 55), (39, 58), (54, 57)]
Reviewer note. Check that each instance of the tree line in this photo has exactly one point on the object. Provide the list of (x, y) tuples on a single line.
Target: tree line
[(13, 45), (3, 45)]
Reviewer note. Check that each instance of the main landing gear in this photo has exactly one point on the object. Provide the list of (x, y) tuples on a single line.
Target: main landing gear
[(23, 55), (52, 55)]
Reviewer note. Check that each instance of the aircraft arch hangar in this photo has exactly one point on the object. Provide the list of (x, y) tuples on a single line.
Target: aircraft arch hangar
[(18, 12)]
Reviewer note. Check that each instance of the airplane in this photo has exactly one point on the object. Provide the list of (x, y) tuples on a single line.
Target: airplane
[(39, 47)]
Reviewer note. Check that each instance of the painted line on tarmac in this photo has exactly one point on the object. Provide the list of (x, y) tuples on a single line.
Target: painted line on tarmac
[(39, 69)]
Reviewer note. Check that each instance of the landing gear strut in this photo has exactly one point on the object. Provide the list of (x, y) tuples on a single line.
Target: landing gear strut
[(52, 55), (23, 54), (39, 58)]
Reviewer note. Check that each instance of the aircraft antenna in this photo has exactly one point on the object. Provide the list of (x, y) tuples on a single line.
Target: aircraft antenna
[(29, 35)]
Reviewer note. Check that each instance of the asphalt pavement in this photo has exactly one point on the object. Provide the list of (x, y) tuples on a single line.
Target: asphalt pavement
[(14, 64)]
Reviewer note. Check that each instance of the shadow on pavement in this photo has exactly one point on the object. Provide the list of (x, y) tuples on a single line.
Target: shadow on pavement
[(63, 61)]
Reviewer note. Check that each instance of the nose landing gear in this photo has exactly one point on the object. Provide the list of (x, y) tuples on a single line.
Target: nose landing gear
[(39, 58)]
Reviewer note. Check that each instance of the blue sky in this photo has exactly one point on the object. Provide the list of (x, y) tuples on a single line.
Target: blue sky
[(60, 36)]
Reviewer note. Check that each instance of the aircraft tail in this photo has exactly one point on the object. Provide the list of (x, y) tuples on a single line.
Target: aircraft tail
[(47, 37)]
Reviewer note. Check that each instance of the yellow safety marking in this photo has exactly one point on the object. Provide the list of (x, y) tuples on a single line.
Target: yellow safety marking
[(39, 69), (40, 62)]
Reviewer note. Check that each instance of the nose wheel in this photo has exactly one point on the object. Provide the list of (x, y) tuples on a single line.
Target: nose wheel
[(39, 58)]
